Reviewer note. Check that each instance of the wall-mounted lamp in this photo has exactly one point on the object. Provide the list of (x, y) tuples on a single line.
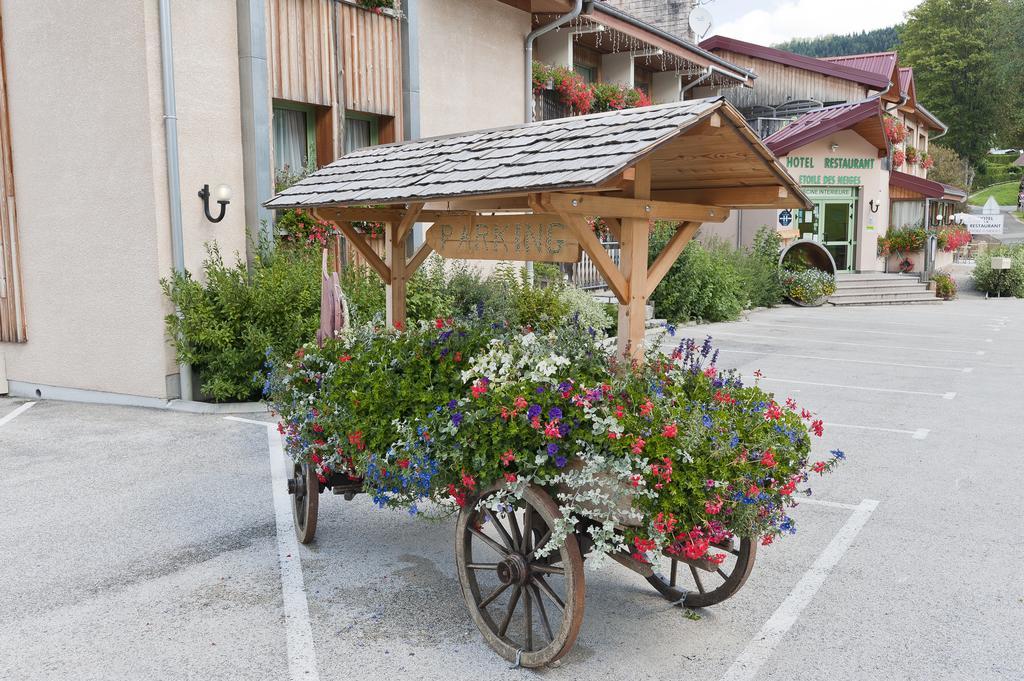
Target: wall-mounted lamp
[(222, 195), (874, 205), (835, 147)]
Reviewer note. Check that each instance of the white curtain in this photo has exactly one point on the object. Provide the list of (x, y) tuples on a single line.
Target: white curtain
[(907, 213), (357, 134), (290, 140)]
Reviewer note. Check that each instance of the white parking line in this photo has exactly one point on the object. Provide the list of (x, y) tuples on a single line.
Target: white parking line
[(16, 413), (962, 370), (785, 327), (919, 434), (874, 346), (830, 504), (299, 632), (945, 396), (785, 616)]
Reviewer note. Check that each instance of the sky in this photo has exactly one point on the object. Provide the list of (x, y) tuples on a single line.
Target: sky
[(767, 22)]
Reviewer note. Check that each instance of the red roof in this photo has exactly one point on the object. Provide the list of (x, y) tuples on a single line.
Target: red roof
[(927, 188), (821, 123), (906, 79), (881, 63), (822, 66)]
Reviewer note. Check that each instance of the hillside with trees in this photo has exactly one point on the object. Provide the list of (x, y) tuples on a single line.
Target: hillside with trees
[(878, 40)]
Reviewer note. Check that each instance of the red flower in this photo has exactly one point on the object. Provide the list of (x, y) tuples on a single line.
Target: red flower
[(612, 435), (788, 488), (507, 458), (806, 415), (768, 459), (817, 427), (716, 559), (459, 497), (468, 482), (638, 446), (753, 491), (399, 325), (520, 402), (458, 356), (345, 358), (619, 413), (439, 323), (713, 508), (773, 412), (479, 388), (636, 480), (767, 539), (646, 408), (403, 463), (551, 430), (511, 478), (711, 372), (818, 467), (670, 430), (300, 353)]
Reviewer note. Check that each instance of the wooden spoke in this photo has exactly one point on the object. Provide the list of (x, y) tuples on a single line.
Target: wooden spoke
[(543, 541), (672, 574), (549, 592), (510, 610), (527, 530), (722, 574), (528, 607), (505, 538), (543, 612), (546, 569), (490, 542), (494, 594), (517, 536), (696, 578), (482, 566)]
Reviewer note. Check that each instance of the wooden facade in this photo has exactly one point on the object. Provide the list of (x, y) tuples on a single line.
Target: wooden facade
[(302, 55), (12, 306), (778, 83)]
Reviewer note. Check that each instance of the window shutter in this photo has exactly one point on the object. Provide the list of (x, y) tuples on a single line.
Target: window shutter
[(12, 311)]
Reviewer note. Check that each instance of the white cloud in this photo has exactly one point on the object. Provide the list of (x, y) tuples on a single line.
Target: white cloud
[(812, 18)]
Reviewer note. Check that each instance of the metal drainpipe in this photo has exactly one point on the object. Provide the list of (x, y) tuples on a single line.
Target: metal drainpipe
[(684, 89), (173, 175), (528, 102)]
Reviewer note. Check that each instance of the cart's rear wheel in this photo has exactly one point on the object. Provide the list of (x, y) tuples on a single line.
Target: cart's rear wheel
[(703, 582), (305, 491), (529, 609)]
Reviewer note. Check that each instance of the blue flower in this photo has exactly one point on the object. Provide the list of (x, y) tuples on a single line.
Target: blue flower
[(671, 328), (453, 404), (707, 421), (838, 454), (552, 449), (734, 441), (561, 461), (533, 411), (457, 419), (554, 413), (540, 389)]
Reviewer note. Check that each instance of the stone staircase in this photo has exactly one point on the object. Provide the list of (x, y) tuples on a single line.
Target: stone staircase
[(877, 288)]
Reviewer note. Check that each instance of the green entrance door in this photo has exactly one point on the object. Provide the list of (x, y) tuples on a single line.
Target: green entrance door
[(832, 223)]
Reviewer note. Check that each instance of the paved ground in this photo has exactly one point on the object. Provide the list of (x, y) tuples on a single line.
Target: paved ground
[(142, 544)]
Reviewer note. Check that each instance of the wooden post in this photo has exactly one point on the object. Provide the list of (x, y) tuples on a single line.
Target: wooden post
[(394, 245), (633, 265)]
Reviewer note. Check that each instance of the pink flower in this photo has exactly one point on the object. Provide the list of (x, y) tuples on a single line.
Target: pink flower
[(768, 459), (817, 427), (713, 508), (670, 430), (818, 467), (507, 458)]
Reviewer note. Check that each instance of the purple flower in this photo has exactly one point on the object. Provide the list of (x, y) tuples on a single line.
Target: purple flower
[(563, 429), (456, 419), (564, 386), (540, 389), (453, 404), (561, 461), (554, 413), (552, 449), (533, 411)]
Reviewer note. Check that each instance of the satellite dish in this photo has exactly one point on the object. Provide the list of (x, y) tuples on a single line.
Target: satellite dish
[(700, 21)]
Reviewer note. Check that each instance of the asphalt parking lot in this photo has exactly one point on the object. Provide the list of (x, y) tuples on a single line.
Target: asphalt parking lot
[(145, 544)]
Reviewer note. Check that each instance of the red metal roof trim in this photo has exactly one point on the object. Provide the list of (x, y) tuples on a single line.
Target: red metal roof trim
[(881, 63), (927, 188), (821, 123), (821, 66)]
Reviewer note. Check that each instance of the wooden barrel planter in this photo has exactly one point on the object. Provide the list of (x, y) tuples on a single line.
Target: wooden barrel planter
[(813, 255)]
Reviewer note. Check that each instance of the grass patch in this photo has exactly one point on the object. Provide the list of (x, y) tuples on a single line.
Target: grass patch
[(1005, 193)]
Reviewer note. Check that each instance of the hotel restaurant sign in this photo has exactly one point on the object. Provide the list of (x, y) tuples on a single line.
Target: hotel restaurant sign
[(829, 171)]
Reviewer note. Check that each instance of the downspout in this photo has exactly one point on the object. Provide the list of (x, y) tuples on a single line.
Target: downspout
[(683, 89), (528, 71), (411, 87), (173, 176)]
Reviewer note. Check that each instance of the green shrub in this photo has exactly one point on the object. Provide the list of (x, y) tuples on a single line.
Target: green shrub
[(1006, 282), (592, 314), (902, 240), (945, 285), (427, 296), (364, 291), (228, 323), (759, 270), (808, 286), (703, 284)]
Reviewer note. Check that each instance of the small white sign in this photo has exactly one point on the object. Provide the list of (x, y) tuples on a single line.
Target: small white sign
[(980, 224), (991, 207)]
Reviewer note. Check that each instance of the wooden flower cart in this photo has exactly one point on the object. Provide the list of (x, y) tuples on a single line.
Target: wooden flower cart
[(523, 193)]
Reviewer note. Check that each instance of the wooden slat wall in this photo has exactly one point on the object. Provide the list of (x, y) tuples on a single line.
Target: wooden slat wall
[(12, 309), (302, 62), (371, 57), (777, 83)]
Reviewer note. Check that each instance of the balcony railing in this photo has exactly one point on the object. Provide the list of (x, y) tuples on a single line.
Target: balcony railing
[(586, 275)]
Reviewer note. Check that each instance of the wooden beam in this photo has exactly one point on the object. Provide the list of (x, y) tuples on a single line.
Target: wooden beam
[(639, 208), (604, 264), (394, 250), (615, 227), (407, 221), (363, 246), (661, 265), (394, 215), (733, 197), (633, 266), (418, 257)]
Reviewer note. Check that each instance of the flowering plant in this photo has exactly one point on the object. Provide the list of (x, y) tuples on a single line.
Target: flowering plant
[(895, 130), (927, 161), (667, 454), (902, 240), (898, 157), (911, 155), (300, 228), (613, 97), (374, 229), (378, 6), (809, 287), (952, 238), (582, 98), (945, 285)]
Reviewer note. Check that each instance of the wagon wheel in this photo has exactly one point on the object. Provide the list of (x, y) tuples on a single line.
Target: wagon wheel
[(703, 582), (305, 491), (529, 609)]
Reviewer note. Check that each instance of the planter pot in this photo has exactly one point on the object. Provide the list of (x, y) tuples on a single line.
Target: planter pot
[(811, 252), (816, 303)]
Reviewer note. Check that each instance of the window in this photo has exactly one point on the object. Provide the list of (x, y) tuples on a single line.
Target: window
[(12, 309), (294, 138), (587, 73), (360, 131)]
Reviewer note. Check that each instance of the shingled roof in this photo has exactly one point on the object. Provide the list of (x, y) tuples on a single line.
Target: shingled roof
[(864, 117), (566, 153)]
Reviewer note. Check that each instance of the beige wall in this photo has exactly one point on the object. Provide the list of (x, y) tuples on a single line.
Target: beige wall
[(87, 135), (471, 65)]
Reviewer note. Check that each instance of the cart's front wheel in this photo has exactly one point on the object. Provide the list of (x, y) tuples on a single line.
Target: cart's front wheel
[(706, 583), (528, 608), (305, 492)]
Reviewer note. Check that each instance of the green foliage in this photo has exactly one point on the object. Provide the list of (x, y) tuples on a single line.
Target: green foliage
[(428, 296), (878, 40), (703, 284), (1002, 282), (1005, 194), (902, 240), (759, 268), (945, 285), (949, 44), (950, 167), (228, 322), (1006, 38), (364, 291), (809, 286)]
